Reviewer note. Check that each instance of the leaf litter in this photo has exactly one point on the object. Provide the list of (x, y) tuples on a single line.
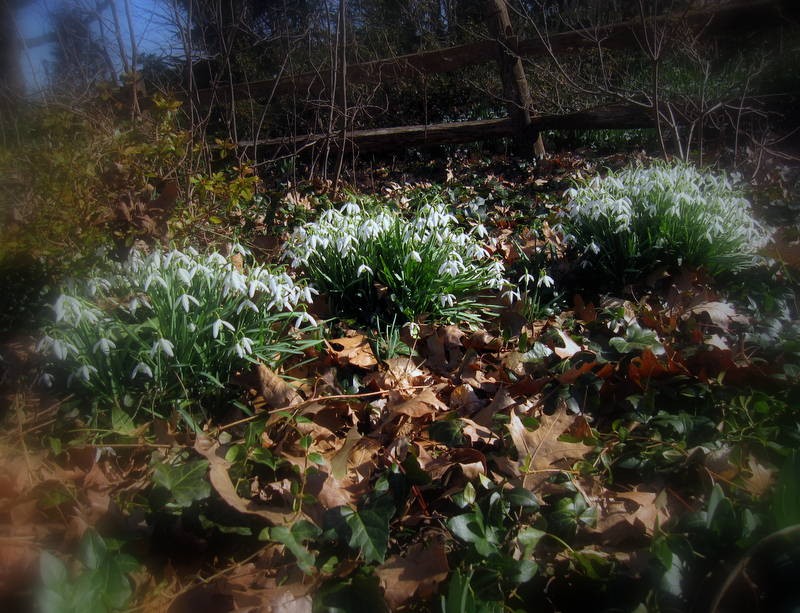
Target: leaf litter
[(473, 422)]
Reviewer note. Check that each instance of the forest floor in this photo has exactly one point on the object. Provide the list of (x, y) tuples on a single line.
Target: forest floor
[(631, 451)]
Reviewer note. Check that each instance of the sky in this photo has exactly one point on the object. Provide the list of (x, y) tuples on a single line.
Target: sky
[(150, 24)]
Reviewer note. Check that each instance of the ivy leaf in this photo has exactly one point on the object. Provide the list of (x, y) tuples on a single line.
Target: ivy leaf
[(472, 528), (93, 550), (637, 339), (369, 532), (292, 538), (186, 482)]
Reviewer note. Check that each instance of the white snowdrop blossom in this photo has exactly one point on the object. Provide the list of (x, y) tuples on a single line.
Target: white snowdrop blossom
[(82, 373), (304, 317), (243, 347), (414, 256), (247, 304), (447, 299), (46, 379), (104, 345), (186, 299), (162, 345), (142, 369), (363, 269), (218, 324), (545, 280)]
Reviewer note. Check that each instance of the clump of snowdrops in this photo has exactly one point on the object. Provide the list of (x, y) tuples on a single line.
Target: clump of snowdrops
[(669, 216), (165, 331), (377, 264)]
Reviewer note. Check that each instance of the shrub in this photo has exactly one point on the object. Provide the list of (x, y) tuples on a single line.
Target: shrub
[(376, 263), (167, 329), (642, 219)]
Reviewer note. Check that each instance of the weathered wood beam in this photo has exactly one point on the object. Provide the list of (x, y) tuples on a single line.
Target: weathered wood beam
[(383, 139)]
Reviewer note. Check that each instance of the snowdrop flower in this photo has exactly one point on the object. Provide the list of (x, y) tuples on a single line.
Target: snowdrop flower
[(136, 301), (304, 317), (594, 247), (217, 259), (104, 345), (351, 208), (45, 344), (234, 282), (164, 346), (255, 284), (344, 244), (141, 368), (185, 299), (82, 373), (62, 349), (447, 299), (362, 269), (243, 347), (247, 304), (480, 230), (307, 292), (545, 280), (154, 277), (185, 276), (451, 267), (215, 327), (46, 380), (511, 295), (527, 279), (413, 256), (65, 306)]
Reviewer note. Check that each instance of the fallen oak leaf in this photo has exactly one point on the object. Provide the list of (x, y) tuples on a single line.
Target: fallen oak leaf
[(540, 450), (415, 575), (721, 314), (424, 403), (352, 351)]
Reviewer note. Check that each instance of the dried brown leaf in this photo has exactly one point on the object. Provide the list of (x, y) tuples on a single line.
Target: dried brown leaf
[(760, 479), (542, 445), (352, 351), (276, 392), (222, 483), (415, 575), (721, 314)]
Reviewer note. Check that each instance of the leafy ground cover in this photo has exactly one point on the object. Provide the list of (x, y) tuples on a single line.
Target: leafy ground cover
[(630, 448)]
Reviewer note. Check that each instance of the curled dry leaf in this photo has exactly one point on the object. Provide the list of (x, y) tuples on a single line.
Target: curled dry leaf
[(625, 516), (221, 482), (760, 478), (352, 351), (570, 347), (276, 392), (464, 398), (415, 575), (424, 403), (721, 314)]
